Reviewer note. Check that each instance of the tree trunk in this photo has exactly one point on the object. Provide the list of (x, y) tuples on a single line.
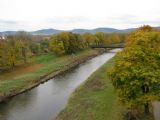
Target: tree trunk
[(13, 64), (146, 108), (145, 90), (24, 54)]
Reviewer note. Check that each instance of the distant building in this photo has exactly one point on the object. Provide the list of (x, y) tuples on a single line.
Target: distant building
[(2, 37)]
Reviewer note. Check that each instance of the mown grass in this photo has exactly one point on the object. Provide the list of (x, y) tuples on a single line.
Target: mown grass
[(95, 99), (24, 76)]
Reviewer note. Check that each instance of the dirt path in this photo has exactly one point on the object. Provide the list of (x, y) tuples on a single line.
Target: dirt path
[(20, 71), (156, 110)]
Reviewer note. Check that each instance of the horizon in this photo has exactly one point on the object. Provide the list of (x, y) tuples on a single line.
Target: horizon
[(73, 29)]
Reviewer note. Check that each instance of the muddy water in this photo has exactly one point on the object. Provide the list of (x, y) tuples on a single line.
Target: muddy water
[(45, 101)]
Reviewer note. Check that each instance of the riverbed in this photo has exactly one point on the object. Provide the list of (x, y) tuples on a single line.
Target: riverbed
[(47, 100)]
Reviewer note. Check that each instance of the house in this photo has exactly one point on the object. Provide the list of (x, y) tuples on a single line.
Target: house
[(2, 37)]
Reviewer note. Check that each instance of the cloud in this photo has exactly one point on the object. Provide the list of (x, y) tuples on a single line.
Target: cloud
[(7, 22), (68, 19), (127, 21), (69, 14)]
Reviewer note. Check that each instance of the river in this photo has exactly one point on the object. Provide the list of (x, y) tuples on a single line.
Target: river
[(48, 99)]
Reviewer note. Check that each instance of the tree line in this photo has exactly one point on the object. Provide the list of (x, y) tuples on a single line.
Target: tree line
[(70, 43), (17, 48)]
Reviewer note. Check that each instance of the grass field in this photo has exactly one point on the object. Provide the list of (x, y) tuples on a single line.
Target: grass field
[(95, 99), (24, 76)]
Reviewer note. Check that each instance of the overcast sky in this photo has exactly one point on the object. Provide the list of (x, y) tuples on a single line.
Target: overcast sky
[(69, 14)]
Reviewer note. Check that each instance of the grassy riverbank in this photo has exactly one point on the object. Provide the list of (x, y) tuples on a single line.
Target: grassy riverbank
[(26, 76), (95, 99)]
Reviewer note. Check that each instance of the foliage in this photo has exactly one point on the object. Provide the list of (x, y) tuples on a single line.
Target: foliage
[(17, 48), (136, 73), (113, 38), (89, 39), (66, 43), (100, 38)]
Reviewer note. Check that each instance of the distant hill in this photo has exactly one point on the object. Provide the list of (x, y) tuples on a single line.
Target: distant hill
[(45, 32), (158, 27), (8, 32), (106, 30), (79, 31)]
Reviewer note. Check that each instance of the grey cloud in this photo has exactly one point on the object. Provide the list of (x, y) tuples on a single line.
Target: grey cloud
[(122, 19), (68, 20), (132, 20), (10, 22), (156, 22)]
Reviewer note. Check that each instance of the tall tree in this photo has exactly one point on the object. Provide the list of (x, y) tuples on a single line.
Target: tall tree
[(66, 43), (113, 38), (89, 39), (100, 38), (136, 72)]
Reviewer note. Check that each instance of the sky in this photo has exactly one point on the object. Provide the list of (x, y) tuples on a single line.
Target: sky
[(32, 15)]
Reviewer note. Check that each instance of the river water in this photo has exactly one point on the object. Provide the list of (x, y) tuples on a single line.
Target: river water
[(47, 100)]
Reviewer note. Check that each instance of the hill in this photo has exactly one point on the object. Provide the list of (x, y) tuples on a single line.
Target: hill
[(79, 31)]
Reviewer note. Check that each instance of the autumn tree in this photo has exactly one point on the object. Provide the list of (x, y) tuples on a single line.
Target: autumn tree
[(66, 43), (146, 28), (23, 39), (112, 38), (136, 72), (100, 38), (89, 39), (56, 45), (3, 55), (8, 54), (14, 49)]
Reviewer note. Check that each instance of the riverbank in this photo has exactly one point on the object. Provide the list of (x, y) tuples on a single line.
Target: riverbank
[(95, 99), (39, 70)]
